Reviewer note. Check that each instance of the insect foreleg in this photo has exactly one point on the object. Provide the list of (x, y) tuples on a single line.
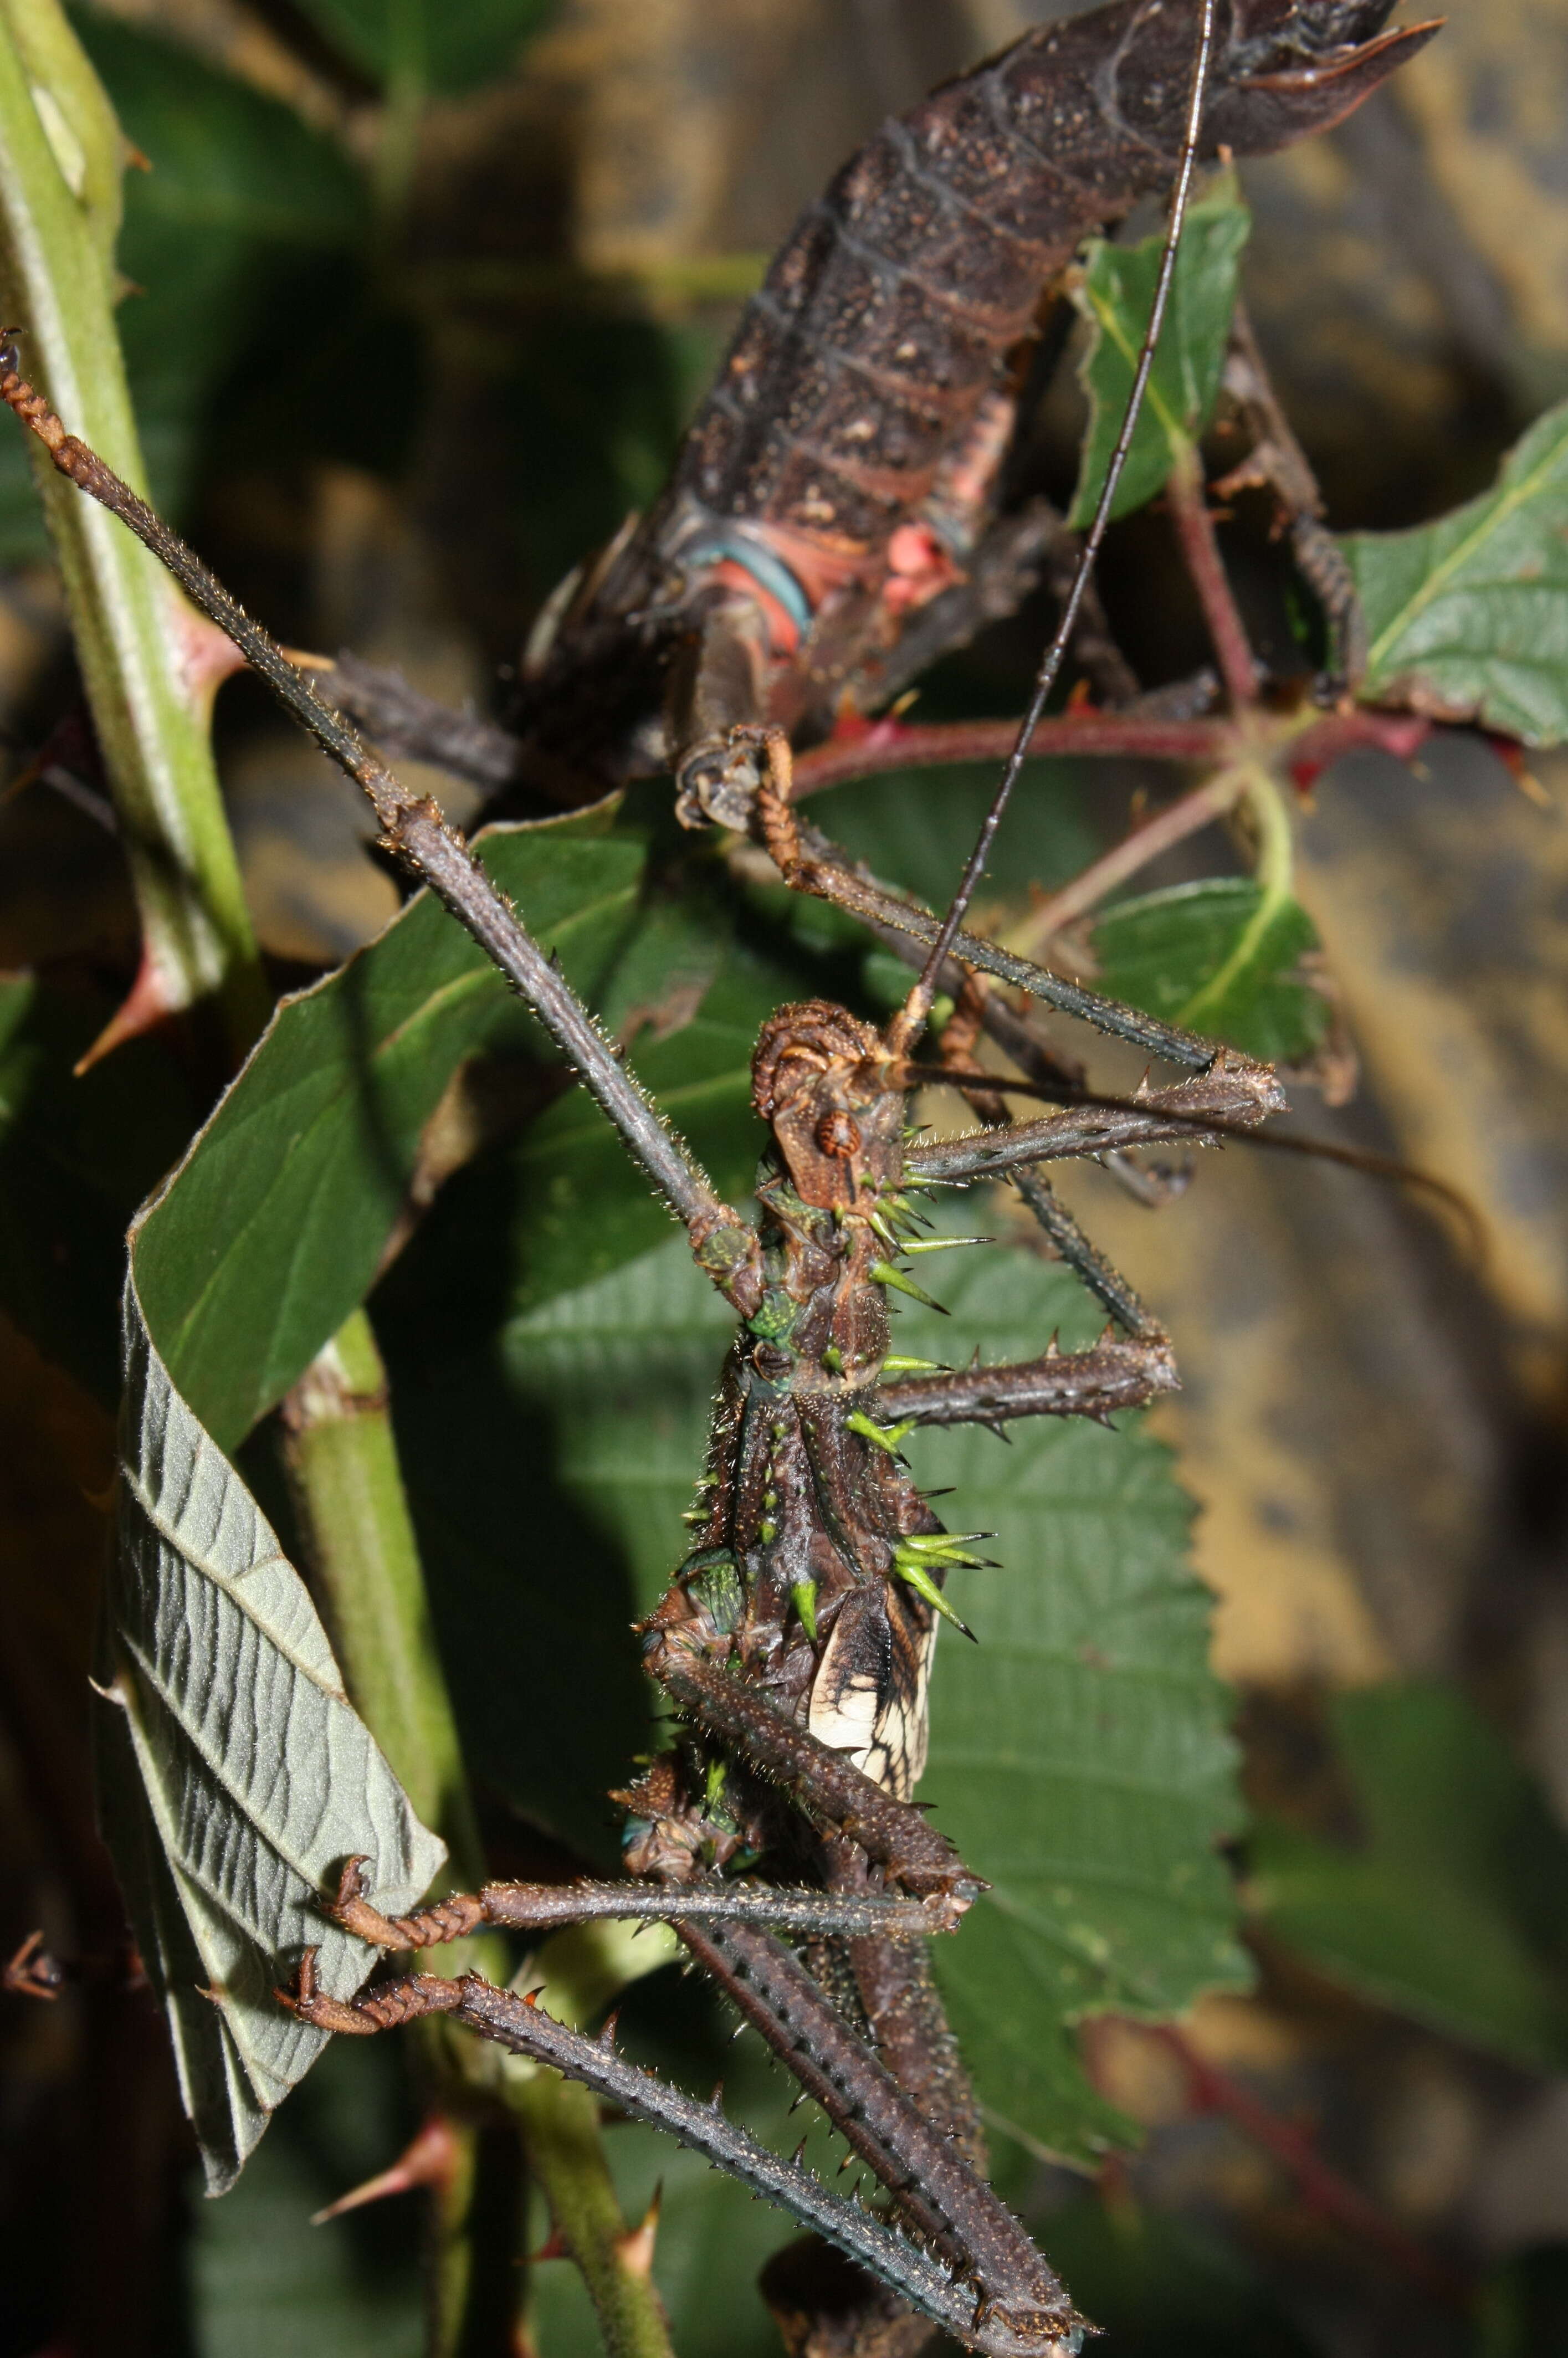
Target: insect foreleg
[(825, 1785), (810, 863), (543, 1907), (983, 2322), (433, 850), (1234, 1094)]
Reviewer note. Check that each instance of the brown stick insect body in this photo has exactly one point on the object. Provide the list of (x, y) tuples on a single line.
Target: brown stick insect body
[(796, 1636), (839, 479)]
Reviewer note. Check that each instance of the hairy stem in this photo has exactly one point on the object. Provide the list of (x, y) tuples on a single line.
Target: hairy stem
[(1188, 497), (141, 650), (348, 1489), (889, 745)]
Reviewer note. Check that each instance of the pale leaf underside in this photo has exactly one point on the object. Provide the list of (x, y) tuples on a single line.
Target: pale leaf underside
[(234, 1774)]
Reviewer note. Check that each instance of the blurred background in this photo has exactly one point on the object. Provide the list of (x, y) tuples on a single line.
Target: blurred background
[(408, 334)]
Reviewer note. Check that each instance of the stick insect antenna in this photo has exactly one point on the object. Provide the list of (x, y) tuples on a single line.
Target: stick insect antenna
[(907, 1023)]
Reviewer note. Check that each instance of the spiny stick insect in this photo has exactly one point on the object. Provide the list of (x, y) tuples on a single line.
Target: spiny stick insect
[(795, 1639)]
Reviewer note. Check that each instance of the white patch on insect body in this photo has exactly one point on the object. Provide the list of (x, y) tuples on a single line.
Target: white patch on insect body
[(868, 1698)]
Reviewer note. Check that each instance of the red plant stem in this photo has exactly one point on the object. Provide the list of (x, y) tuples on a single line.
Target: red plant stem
[(1188, 498), (887, 745), (1320, 2188), (1396, 733), (1171, 825)]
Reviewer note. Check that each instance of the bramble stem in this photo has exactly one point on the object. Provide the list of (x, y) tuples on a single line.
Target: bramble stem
[(890, 745), (1188, 496), (1156, 836), (348, 1489), (560, 2125), (137, 642)]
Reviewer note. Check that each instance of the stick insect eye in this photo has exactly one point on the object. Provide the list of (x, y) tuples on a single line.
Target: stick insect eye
[(838, 1134)]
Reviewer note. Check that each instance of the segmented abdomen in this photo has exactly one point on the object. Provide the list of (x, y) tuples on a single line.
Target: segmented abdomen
[(883, 322)]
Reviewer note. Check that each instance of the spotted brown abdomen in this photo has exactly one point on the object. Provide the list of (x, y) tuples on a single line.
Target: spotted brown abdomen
[(888, 315)]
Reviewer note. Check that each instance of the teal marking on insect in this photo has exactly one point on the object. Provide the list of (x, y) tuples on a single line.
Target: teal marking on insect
[(769, 572)]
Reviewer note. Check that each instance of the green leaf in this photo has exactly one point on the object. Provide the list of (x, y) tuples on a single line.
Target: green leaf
[(245, 220), (526, 1357), (269, 1232), (1454, 1906), (1116, 294), (234, 1776), (1079, 1755), (1224, 956), (917, 827), (446, 50), (1467, 617), (77, 1156)]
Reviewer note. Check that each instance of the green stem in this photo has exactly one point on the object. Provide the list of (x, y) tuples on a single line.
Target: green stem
[(404, 93), (61, 154), (1274, 869), (342, 1458), (560, 2122), (349, 1493)]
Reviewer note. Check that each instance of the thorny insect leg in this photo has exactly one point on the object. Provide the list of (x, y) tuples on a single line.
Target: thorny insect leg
[(1235, 1093), (927, 2175), (539, 1907), (960, 1036), (828, 1787), (809, 864), (987, 2324), (1277, 461), (430, 848)]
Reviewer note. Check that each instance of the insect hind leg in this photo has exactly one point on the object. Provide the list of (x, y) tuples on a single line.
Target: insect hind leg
[(825, 1785)]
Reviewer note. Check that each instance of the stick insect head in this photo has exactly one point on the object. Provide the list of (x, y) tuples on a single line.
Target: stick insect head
[(820, 1080)]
